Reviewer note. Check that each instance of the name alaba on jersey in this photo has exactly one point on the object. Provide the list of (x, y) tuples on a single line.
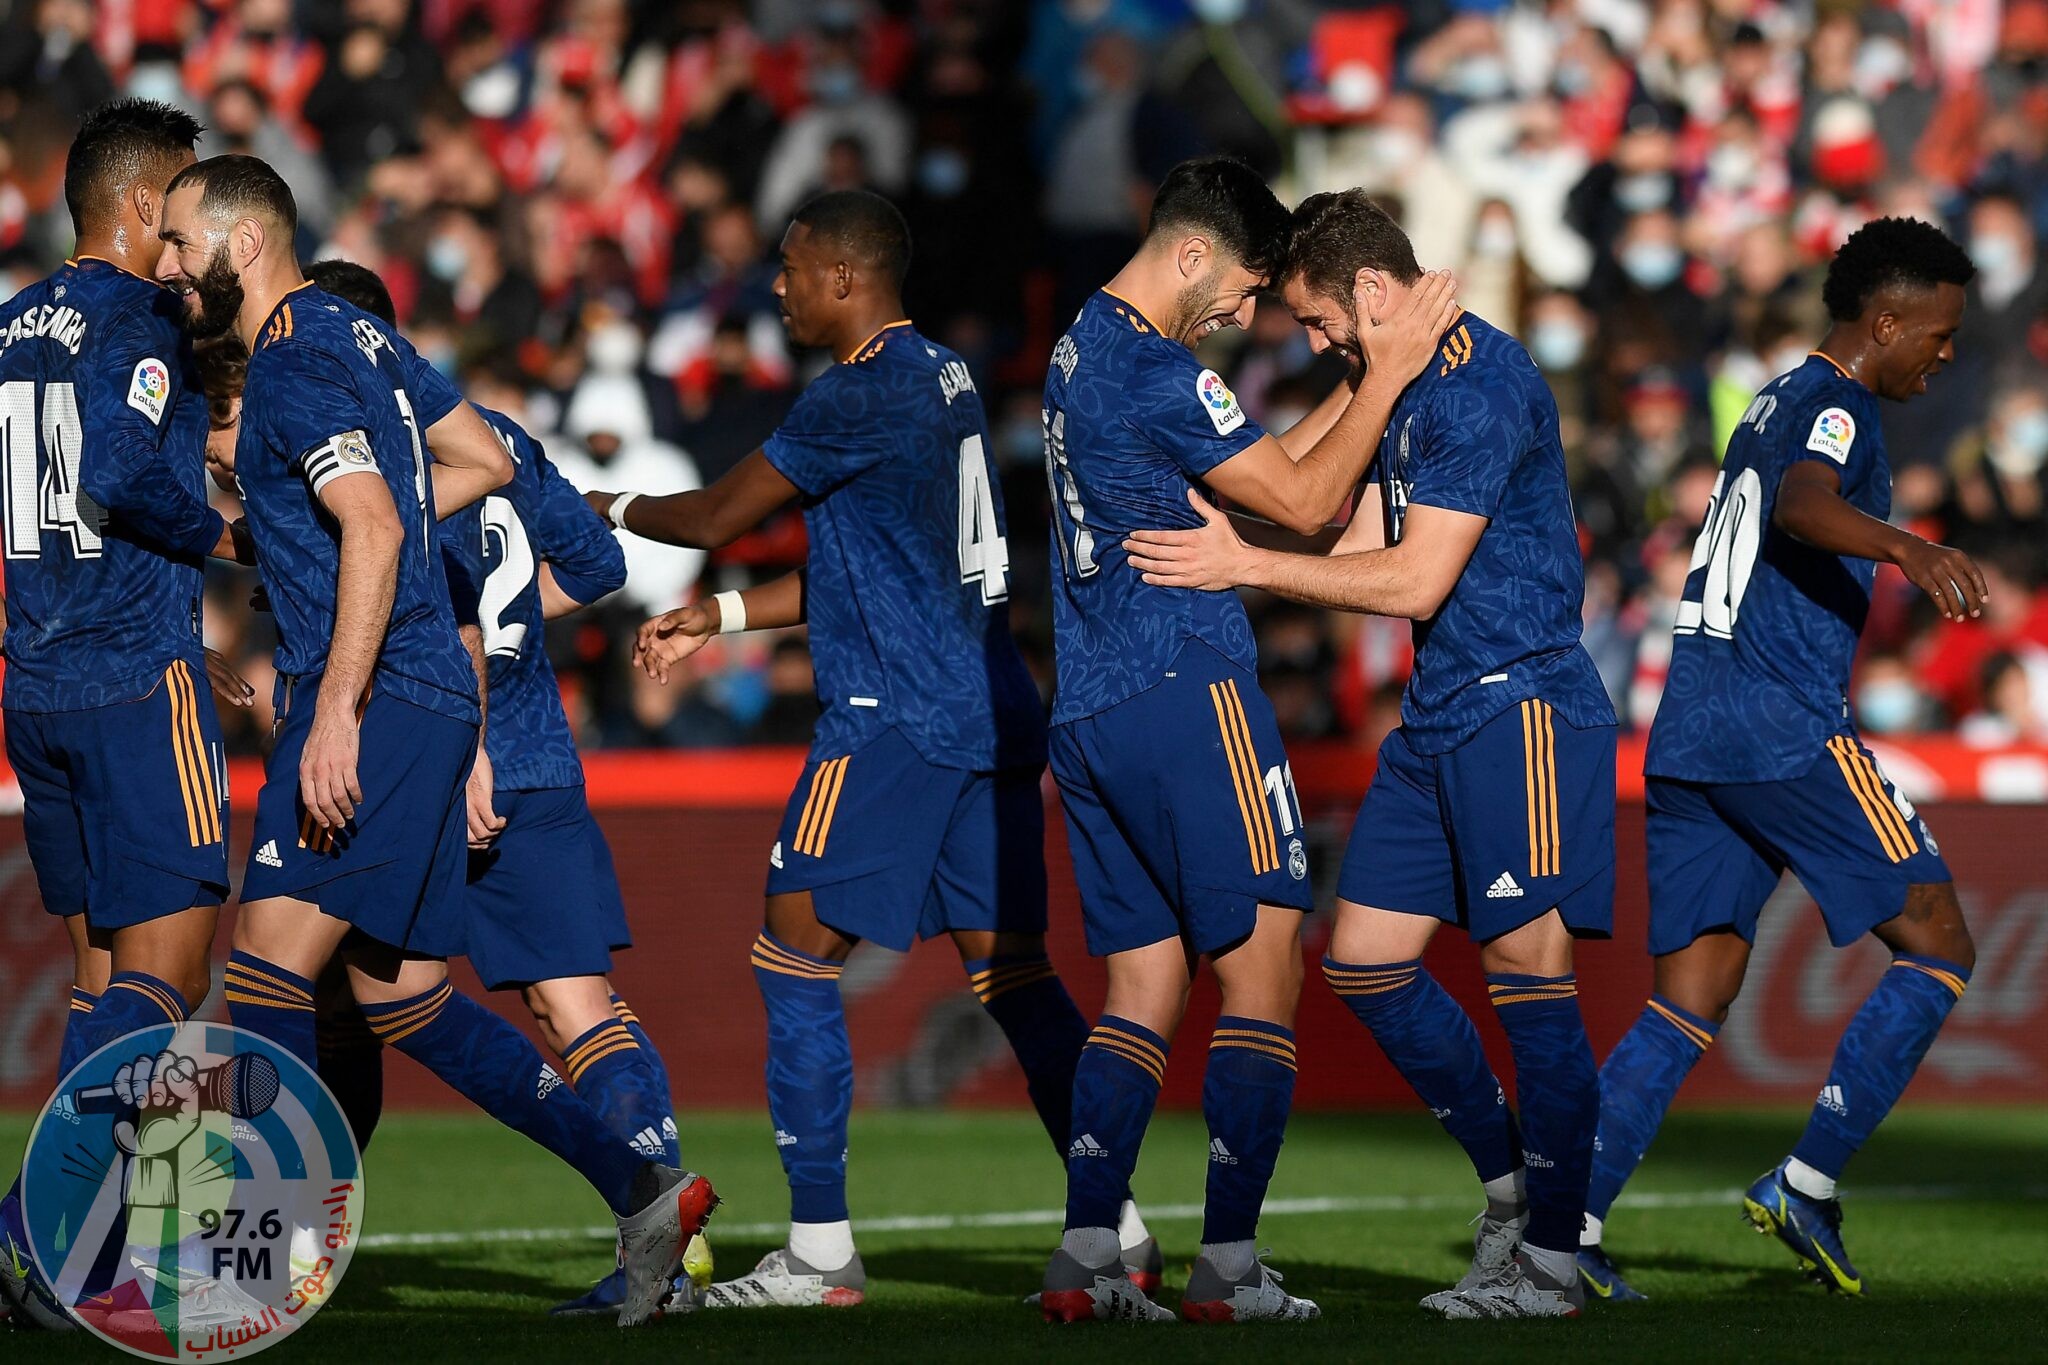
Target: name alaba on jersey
[(327, 396), (1767, 626)]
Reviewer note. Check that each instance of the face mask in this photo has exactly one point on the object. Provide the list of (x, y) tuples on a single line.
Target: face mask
[(1573, 79), (447, 258), (1479, 78), (2022, 448), (1731, 166), (1643, 191), (1881, 65), (835, 84), (1218, 11), (1887, 707), (1652, 265), (1494, 240), (614, 347), (942, 172), (1557, 345), (1994, 253), (1396, 148)]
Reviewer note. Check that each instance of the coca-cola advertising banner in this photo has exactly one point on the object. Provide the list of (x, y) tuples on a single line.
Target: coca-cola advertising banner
[(691, 833)]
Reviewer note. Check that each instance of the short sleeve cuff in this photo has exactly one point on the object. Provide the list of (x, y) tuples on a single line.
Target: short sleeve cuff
[(1451, 502), (1205, 457), (208, 536), (584, 588), (788, 459)]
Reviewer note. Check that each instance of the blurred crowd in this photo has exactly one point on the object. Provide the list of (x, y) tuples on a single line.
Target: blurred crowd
[(576, 204)]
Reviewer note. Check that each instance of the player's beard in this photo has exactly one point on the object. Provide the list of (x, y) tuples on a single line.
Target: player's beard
[(1190, 306), (219, 291)]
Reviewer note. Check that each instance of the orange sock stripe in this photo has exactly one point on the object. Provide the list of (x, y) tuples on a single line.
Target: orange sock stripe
[(262, 991), (257, 976), (237, 996), (412, 1017), (1948, 979), (589, 1060), (1130, 1054), (81, 1006), (154, 996), (607, 1033), (1102, 1031), (1014, 965), (1698, 1035), (989, 990), (1533, 996), (626, 1015), (1285, 1056), (1254, 1035), (1369, 973), (785, 960), (1251, 757)]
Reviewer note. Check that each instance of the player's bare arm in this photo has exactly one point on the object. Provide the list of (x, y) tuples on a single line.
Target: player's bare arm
[(469, 461), (1810, 508), (672, 637), (366, 582), (703, 518), (1408, 580), (1304, 493), (485, 824)]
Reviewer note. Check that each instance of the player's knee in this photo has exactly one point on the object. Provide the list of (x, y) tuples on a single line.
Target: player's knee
[(1542, 947), (1931, 925)]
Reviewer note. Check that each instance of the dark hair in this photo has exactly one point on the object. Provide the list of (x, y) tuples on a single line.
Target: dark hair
[(1334, 236), (241, 184), (117, 143), (1891, 251), (1231, 204), (356, 284), (223, 364), (866, 226)]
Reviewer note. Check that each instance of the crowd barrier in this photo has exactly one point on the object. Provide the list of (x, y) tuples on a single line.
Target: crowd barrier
[(691, 833)]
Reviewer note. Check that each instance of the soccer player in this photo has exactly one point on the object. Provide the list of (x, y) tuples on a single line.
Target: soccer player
[(1754, 767), (918, 812), (109, 729), (360, 827), (1180, 807), (1493, 804)]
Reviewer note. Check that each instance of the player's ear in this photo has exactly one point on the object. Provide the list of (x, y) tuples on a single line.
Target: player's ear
[(1192, 256), (148, 206), (1884, 328), (1369, 288), (245, 241), (842, 280)]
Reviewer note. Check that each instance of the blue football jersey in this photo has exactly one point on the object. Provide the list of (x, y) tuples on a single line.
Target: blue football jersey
[(327, 397), (1767, 627), (907, 578), (102, 463), (1477, 433), (1132, 421), (494, 551)]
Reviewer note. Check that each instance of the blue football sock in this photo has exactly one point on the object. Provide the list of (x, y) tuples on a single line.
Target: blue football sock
[(1432, 1043), (1116, 1084), (653, 1053), (1246, 1096), (810, 1075), (609, 1068), (1877, 1056), (352, 1065), (494, 1067), (1559, 1094), (132, 1000), (1025, 996), (266, 999), (77, 1032), (1636, 1085)]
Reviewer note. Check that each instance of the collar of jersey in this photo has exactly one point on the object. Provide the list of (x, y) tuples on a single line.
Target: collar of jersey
[(861, 352), (276, 308), (78, 263), (1142, 317), (1832, 361)]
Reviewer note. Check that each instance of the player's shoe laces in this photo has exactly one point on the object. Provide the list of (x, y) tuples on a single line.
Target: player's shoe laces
[(1255, 1296), (603, 1298), (1078, 1293), (1523, 1293), (1145, 1265), (783, 1281), (30, 1303), (1493, 1258), (1811, 1227), (651, 1241), (204, 1302), (1603, 1280)]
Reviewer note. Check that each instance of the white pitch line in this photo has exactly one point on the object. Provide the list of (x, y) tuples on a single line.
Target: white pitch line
[(1273, 1208)]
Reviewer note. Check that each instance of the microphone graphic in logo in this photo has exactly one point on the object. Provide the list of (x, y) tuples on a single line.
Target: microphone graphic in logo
[(243, 1086)]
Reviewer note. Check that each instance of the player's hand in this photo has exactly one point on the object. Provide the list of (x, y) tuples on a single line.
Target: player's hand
[(244, 541), (1401, 345), (672, 637), (230, 686), (164, 1090), (485, 824), (327, 767), (1946, 575), (601, 503), (1210, 558)]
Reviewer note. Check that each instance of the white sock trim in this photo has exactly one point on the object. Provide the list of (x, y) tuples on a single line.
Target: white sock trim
[(1808, 1181), (1130, 1226), (1092, 1247), (1561, 1268), (1508, 1195), (1590, 1230), (822, 1246), (1231, 1259)]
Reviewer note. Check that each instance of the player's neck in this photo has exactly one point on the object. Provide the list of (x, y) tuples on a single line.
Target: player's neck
[(123, 244), (1849, 353), (863, 322), (1138, 285), (263, 284)]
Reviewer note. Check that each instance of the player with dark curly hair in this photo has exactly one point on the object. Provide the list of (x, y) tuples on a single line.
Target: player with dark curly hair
[(1753, 764)]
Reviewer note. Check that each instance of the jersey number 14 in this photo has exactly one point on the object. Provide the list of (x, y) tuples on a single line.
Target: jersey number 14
[(50, 502)]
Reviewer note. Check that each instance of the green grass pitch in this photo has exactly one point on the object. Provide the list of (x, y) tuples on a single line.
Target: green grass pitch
[(1945, 1217)]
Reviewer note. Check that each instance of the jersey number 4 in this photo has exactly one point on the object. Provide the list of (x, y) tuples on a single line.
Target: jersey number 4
[(49, 502), (984, 550)]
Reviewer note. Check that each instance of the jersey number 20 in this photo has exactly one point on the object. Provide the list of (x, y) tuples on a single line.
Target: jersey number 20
[(1726, 551), (51, 502)]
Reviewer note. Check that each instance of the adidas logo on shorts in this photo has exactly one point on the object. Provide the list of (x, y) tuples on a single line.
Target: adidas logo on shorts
[(267, 855), (1086, 1145), (775, 854), (1504, 887)]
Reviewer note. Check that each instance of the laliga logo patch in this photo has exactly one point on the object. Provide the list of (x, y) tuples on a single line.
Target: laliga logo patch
[(1219, 402), (1833, 433), (150, 388)]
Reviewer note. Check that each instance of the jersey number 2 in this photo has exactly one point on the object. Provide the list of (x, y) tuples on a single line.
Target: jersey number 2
[(51, 502), (503, 584), (984, 550)]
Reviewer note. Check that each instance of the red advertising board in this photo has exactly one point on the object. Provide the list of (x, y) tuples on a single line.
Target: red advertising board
[(691, 834)]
